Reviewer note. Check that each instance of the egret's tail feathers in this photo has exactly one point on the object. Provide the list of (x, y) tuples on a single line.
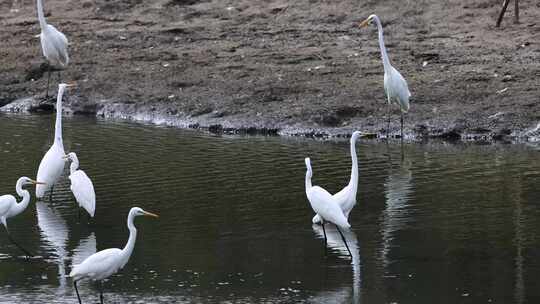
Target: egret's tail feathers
[(73, 272), (90, 208), (341, 221), (405, 106)]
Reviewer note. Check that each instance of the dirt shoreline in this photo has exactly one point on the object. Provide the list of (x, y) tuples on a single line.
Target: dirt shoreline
[(287, 68)]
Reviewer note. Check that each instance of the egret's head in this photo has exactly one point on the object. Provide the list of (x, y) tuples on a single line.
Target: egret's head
[(136, 211), (71, 156), (63, 86), (368, 21), (28, 181)]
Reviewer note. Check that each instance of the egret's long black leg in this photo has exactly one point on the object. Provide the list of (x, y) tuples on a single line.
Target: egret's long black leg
[(50, 193), (28, 254), (324, 233), (101, 292), (388, 122), (77, 291), (344, 241)]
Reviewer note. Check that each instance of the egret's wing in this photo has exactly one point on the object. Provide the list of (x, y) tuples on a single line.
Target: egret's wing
[(6, 201), (83, 190), (323, 204), (400, 89), (57, 42), (50, 169), (342, 196), (99, 262)]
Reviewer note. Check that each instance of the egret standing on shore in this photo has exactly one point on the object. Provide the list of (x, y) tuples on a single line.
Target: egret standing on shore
[(81, 185), (346, 198), (105, 263), (52, 164), (53, 44), (395, 86), (325, 206), (10, 208)]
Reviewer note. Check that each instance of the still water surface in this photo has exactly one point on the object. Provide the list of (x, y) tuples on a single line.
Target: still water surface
[(448, 224)]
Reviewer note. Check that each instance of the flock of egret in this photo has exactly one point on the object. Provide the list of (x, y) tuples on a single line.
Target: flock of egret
[(328, 208)]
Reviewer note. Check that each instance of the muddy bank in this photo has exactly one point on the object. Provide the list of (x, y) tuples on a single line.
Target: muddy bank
[(284, 67)]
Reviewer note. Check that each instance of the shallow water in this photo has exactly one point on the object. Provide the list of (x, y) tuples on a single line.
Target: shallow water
[(447, 224)]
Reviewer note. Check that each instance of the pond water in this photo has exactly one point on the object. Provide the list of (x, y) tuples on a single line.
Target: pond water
[(445, 224)]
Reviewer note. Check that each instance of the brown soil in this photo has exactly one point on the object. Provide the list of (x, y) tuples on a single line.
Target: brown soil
[(294, 66)]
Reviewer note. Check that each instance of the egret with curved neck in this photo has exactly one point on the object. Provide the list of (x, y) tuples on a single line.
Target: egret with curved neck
[(105, 263), (325, 206), (52, 165), (81, 185), (54, 44), (395, 86), (346, 198), (10, 208)]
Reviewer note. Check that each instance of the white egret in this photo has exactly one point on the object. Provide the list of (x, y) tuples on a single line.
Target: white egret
[(395, 86), (81, 185), (53, 44), (52, 164), (10, 208), (105, 263), (346, 198), (325, 206)]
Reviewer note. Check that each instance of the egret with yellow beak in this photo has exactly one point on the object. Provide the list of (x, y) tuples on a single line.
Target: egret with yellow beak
[(105, 263), (395, 86), (10, 208)]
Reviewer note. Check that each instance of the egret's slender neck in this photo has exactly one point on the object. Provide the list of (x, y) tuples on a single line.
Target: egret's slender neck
[(41, 16), (74, 165), (58, 126), (384, 55), (309, 173), (126, 252), (354, 169), (20, 207)]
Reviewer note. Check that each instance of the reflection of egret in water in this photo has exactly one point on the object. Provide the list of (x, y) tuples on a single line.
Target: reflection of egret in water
[(334, 241), (86, 248), (398, 188), (55, 232)]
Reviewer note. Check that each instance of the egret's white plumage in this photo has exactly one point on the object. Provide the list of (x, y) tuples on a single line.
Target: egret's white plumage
[(81, 186), (322, 202), (346, 198), (54, 43), (52, 164), (8, 203), (395, 86), (10, 208), (105, 263)]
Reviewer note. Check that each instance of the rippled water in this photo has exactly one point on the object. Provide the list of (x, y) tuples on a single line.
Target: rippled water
[(447, 224)]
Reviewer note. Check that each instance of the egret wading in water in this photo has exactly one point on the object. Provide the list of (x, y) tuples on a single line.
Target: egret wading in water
[(51, 166), (105, 263), (346, 198), (81, 185), (325, 206), (395, 86), (53, 44), (10, 208)]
